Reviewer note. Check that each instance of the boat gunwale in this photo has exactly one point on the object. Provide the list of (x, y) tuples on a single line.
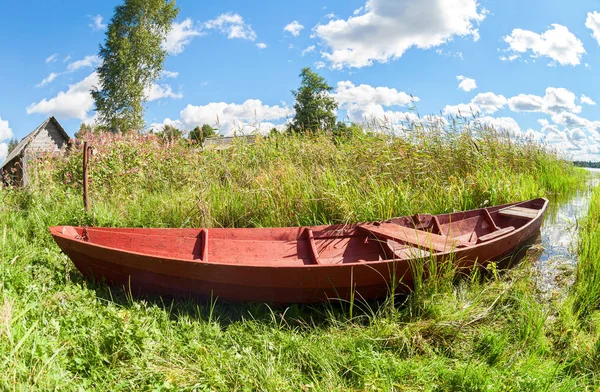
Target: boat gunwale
[(56, 231)]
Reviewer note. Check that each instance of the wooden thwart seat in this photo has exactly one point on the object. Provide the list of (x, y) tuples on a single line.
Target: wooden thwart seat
[(495, 234), (404, 252), (519, 212), (418, 238)]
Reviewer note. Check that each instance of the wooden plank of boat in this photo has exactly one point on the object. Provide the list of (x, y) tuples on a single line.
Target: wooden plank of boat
[(405, 252), (496, 234), (418, 238), (519, 212)]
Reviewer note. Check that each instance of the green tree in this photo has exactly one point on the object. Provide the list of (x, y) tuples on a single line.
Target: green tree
[(315, 107), (170, 133), (198, 134), (132, 58), (12, 144)]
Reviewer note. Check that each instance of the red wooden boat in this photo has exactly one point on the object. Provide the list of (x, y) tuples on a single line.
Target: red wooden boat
[(297, 264)]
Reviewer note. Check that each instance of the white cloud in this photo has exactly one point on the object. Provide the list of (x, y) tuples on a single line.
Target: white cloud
[(364, 103), (309, 49), (76, 102), (390, 27), (481, 103), (560, 99), (159, 91), (557, 43), (593, 23), (180, 35), (294, 28), (3, 151), (526, 103), (52, 58), (571, 120), (319, 65), (233, 25), (586, 100), (363, 94), (48, 79), (169, 74), (88, 61), (556, 100), (462, 109), (489, 102), (229, 117), (261, 45), (97, 24), (502, 123), (466, 84), (5, 130)]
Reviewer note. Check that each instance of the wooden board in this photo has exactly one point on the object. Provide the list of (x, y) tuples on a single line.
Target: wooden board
[(519, 212), (495, 234), (418, 238), (405, 252)]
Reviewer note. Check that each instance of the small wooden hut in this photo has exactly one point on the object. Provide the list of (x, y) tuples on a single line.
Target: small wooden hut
[(49, 137), (223, 142)]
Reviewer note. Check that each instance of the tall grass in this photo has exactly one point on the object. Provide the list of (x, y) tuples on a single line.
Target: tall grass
[(60, 332)]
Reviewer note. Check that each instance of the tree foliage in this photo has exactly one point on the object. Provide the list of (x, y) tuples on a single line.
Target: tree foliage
[(12, 143), (315, 107), (170, 133), (132, 58), (198, 134)]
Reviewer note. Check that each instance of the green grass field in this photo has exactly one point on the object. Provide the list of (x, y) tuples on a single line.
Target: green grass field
[(493, 333)]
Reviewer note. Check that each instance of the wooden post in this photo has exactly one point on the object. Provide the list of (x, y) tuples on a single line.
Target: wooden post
[(85, 177)]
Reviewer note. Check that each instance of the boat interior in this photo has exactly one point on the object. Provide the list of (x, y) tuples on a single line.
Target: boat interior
[(417, 236)]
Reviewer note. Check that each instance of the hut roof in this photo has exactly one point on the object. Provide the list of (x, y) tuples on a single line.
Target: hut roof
[(18, 150)]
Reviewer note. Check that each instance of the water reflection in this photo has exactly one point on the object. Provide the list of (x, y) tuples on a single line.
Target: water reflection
[(557, 250)]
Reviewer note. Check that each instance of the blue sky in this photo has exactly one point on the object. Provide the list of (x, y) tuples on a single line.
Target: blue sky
[(529, 67)]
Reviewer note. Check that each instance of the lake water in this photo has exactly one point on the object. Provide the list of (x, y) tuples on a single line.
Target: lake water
[(556, 250)]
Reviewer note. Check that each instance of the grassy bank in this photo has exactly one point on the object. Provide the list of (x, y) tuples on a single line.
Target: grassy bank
[(59, 332)]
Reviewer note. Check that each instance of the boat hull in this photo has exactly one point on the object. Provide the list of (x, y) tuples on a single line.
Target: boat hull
[(142, 273)]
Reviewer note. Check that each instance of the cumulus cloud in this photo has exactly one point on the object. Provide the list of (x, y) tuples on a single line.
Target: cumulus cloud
[(482, 103), (489, 102), (347, 92), (180, 35), (3, 151), (294, 28), (229, 117), (586, 100), (556, 100), (159, 91), (507, 124), (5, 130), (365, 102), (233, 25), (462, 109), (556, 43), (466, 84), (76, 102), (388, 28), (261, 45), (97, 24), (593, 23)]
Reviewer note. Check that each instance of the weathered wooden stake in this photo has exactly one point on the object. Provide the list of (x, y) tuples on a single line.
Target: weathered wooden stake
[(85, 177)]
